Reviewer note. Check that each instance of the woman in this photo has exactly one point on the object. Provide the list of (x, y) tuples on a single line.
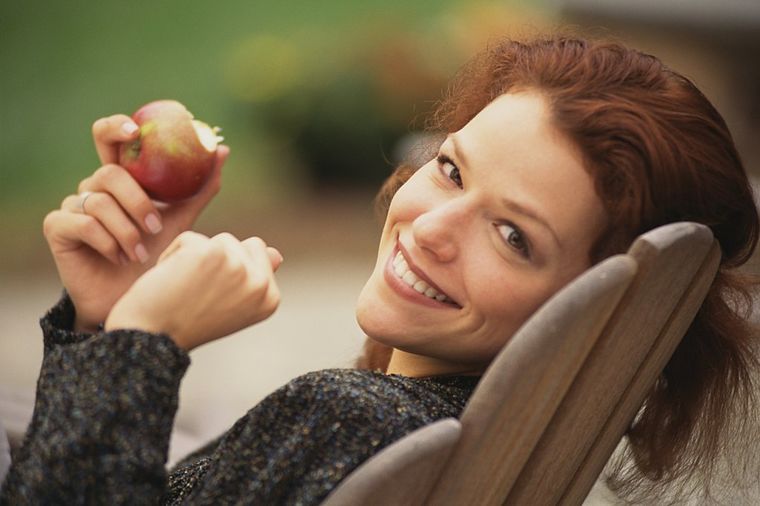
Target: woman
[(559, 152)]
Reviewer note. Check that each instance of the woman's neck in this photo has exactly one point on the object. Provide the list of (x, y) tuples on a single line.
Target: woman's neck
[(419, 366)]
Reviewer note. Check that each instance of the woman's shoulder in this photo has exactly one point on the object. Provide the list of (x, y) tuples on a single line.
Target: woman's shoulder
[(330, 400), (340, 379), (360, 387), (352, 376), (309, 434)]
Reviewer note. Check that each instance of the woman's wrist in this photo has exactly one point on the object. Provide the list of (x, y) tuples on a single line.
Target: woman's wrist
[(119, 321)]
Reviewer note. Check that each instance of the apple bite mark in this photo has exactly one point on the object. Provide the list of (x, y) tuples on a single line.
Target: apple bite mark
[(207, 135)]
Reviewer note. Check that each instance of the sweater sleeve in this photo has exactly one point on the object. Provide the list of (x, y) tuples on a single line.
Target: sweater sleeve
[(102, 419)]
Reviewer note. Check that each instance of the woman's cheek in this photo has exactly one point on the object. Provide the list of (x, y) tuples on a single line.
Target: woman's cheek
[(415, 197), (510, 297)]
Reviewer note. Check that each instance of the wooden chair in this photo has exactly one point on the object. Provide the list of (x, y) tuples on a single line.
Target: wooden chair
[(556, 401)]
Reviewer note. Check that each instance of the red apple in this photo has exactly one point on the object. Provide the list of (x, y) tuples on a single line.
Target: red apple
[(174, 155)]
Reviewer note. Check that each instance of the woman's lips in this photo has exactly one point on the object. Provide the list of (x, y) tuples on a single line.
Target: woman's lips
[(411, 284)]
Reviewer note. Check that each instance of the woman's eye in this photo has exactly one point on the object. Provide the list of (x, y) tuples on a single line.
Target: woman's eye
[(514, 238), (450, 170)]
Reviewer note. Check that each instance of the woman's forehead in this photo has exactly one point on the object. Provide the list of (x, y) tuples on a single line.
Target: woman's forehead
[(512, 151), (512, 141)]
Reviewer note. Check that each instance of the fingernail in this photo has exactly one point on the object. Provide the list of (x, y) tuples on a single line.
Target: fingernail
[(153, 223), (129, 128), (141, 252), (123, 259)]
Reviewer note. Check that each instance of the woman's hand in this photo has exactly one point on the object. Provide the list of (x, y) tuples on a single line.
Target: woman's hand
[(109, 234), (202, 289)]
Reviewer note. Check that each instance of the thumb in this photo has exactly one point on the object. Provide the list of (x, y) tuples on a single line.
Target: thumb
[(200, 200)]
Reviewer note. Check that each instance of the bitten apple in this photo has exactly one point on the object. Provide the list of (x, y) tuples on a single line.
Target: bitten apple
[(175, 153)]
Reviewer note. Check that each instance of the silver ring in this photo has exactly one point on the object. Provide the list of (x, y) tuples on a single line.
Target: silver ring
[(83, 198)]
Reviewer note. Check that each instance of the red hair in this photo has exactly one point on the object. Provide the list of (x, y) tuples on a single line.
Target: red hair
[(659, 152)]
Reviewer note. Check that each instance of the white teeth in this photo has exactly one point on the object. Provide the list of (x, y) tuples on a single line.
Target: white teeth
[(401, 268)]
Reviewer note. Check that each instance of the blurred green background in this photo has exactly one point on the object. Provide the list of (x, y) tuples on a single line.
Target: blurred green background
[(313, 97), (316, 99)]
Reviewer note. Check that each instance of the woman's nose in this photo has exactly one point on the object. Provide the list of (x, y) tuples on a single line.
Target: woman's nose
[(439, 231)]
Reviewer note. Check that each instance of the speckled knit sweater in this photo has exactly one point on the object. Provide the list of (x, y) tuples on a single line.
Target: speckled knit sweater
[(106, 403)]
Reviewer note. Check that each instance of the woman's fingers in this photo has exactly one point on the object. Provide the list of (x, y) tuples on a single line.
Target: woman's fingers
[(65, 228), (258, 249), (187, 239), (243, 250), (116, 181), (258, 256), (113, 198), (262, 269), (214, 183), (249, 260), (275, 257), (104, 208), (111, 131)]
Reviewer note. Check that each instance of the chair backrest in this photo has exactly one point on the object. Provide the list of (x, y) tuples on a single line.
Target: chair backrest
[(403, 473), (521, 390), (556, 400), (632, 398), (676, 266)]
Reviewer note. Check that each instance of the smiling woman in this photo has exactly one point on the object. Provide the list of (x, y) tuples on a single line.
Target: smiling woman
[(500, 220), (558, 152)]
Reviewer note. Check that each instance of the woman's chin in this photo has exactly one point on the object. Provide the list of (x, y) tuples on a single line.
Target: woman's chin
[(371, 313), (381, 327), (375, 326)]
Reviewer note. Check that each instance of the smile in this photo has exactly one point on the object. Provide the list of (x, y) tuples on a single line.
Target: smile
[(400, 267)]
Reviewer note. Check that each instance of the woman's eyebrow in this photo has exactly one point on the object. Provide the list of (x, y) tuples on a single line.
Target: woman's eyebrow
[(510, 204), (532, 215)]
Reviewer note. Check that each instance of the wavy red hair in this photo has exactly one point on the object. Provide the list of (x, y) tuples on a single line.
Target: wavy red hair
[(659, 152)]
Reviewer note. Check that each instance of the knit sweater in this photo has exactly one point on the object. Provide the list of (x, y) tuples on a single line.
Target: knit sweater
[(105, 407)]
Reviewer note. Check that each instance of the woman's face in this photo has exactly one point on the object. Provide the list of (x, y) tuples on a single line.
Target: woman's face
[(478, 238)]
